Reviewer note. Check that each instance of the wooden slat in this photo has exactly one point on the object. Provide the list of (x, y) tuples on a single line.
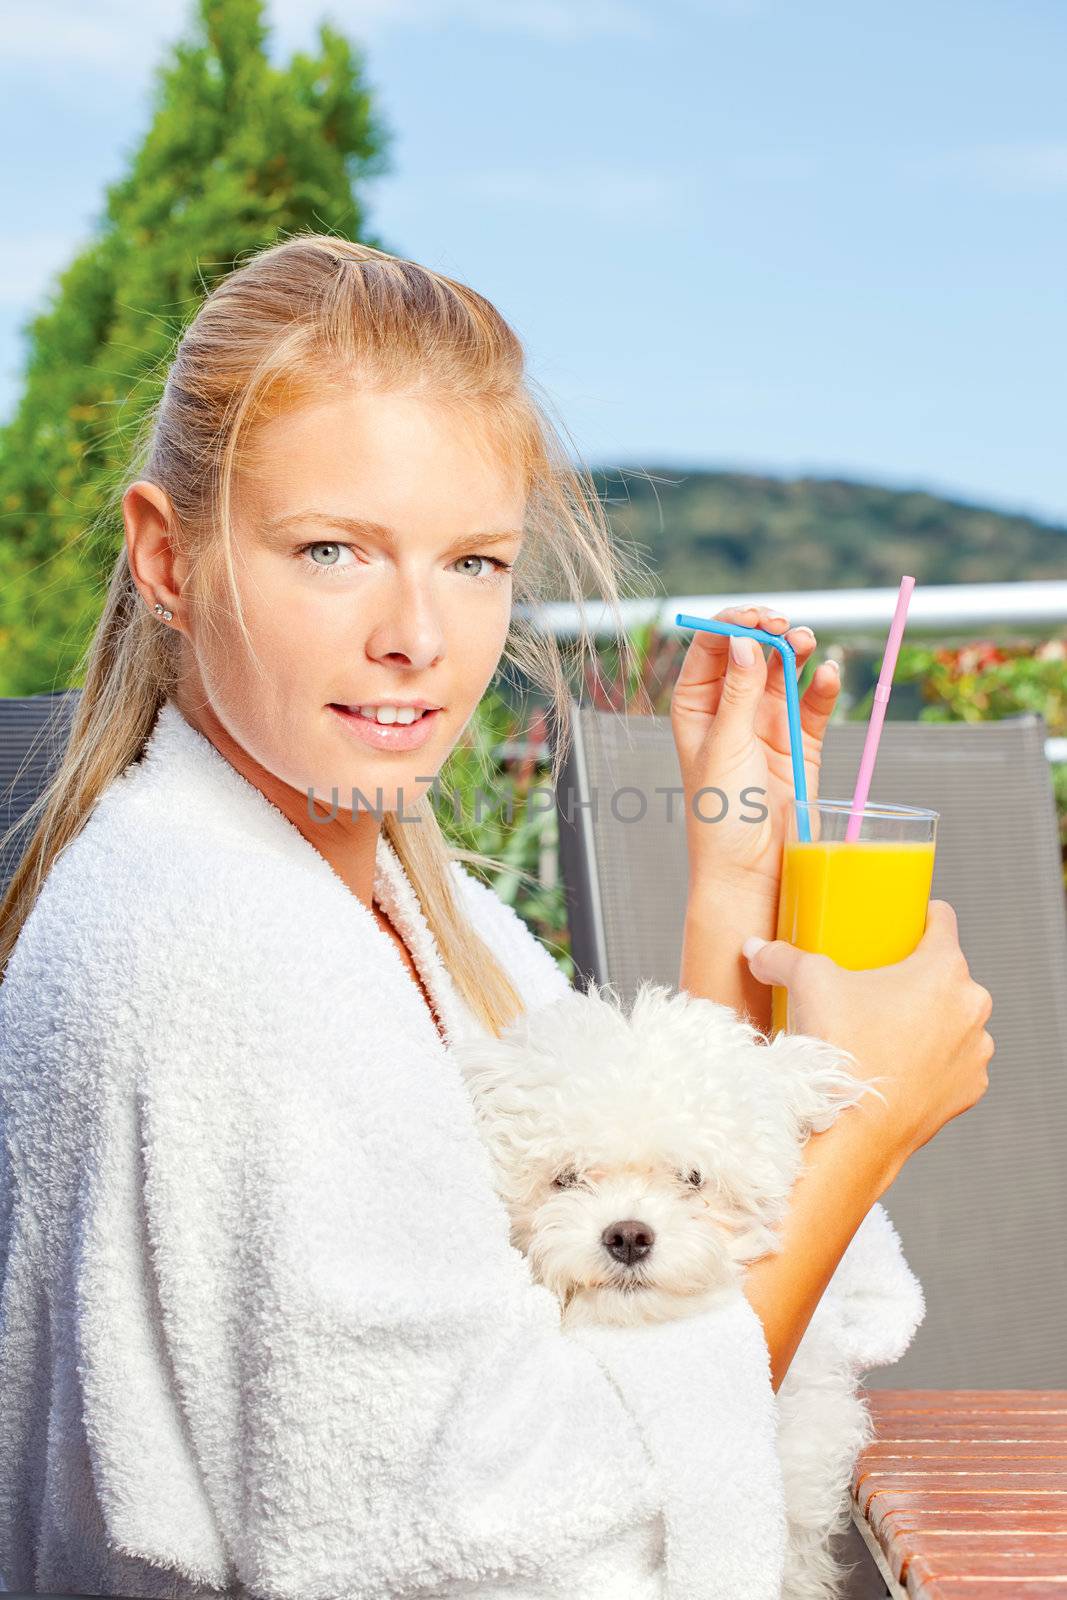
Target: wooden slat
[(1014, 1588), (964, 1493)]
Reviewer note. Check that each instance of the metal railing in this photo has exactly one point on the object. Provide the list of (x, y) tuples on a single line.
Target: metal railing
[(842, 616), (944, 608)]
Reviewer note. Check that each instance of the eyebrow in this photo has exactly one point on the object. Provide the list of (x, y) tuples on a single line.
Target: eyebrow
[(363, 525)]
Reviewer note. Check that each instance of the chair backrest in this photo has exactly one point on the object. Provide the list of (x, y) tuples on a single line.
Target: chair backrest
[(981, 1209), (33, 735)]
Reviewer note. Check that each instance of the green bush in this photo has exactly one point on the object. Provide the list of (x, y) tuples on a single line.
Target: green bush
[(983, 682)]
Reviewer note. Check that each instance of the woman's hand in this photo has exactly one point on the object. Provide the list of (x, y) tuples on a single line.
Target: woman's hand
[(731, 732), (918, 1027)]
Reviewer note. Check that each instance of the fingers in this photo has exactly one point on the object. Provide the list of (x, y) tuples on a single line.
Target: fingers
[(753, 616), (704, 667), (942, 925), (703, 672), (741, 693), (820, 697), (776, 961), (939, 952)]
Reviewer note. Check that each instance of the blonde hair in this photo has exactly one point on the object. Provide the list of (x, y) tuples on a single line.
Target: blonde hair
[(301, 319)]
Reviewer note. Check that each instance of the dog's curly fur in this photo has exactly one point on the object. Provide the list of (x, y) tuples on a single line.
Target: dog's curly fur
[(644, 1159)]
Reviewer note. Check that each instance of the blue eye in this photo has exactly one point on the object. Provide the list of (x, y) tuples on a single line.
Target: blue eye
[(324, 544), (327, 568), (500, 567)]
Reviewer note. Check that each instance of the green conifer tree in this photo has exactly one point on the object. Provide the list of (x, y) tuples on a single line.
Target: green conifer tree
[(238, 154)]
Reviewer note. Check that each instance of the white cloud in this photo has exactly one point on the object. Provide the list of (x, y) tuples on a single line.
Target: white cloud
[(110, 36), (126, 35), (549, 19), (1024, 167)]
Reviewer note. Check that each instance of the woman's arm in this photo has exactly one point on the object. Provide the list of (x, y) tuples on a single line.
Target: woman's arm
[(846, 1170), (713, 967), (927, 1073)]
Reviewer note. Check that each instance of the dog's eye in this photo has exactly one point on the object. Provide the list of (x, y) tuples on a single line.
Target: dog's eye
[(565, 1180), (695, 1177)]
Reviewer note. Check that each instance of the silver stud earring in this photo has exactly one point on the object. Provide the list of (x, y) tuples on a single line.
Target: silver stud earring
[(166, 615)]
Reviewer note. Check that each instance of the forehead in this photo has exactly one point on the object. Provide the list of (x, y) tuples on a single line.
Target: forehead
[(395, 460)]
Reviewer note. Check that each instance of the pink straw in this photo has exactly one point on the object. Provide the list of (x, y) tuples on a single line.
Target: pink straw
[(881, 700)]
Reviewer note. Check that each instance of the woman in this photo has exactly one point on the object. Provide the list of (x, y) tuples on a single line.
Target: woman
[(263, 1330)]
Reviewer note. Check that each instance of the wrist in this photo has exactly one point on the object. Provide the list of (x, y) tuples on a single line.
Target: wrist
[(862, 1136), (713, 966), (742, 900)]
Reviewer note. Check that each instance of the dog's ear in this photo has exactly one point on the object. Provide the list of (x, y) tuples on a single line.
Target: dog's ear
[(761, 1107)]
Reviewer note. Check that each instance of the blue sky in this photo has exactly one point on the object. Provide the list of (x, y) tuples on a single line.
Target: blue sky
[(825, 238)]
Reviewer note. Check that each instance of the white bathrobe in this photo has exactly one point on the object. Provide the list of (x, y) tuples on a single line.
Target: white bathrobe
[(262, 1329)]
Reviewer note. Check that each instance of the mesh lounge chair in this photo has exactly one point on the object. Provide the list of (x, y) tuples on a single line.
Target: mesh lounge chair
[(981, 1208), (33, 735)]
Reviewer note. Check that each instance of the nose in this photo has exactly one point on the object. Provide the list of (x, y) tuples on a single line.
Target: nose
[(410, 628), (627, 1241)]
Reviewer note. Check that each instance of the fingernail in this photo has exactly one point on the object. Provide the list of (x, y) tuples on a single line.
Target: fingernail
[(752, 946), (778, 619), (834, 665), (743, 650), (803, 629)]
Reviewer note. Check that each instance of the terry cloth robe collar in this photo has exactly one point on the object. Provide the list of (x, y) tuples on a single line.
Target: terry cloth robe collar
[(211, 792)]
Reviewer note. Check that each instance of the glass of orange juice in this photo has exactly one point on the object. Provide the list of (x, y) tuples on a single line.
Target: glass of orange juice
[(861, 901)]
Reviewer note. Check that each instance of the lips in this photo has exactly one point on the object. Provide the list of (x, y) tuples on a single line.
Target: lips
[(386, 735)]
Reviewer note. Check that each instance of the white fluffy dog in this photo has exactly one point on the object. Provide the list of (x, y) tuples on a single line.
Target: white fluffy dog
[(643, 1160)]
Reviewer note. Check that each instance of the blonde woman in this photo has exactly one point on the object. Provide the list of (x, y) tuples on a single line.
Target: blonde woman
[(262, 1330)]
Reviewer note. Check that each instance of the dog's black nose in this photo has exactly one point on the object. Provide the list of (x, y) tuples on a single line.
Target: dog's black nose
[(627, 1241)]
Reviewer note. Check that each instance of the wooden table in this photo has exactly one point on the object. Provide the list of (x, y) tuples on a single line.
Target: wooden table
[(962, 1495)]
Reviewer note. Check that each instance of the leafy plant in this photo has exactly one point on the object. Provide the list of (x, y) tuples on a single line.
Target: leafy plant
[(983, 682)]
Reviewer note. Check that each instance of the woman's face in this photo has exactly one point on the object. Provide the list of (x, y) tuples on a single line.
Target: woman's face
[(371, 555)]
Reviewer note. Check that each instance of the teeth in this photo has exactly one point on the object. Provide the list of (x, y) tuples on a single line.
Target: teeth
[(402, 714)]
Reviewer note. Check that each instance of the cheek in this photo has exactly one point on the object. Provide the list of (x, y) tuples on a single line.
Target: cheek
[(292, 645), (477, 627), (279, 613), (298, 631)]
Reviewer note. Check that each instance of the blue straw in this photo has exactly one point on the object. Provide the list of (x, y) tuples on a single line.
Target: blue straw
[(792, 701)]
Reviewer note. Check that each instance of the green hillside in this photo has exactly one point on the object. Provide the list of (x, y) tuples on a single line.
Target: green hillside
[(707, 532)]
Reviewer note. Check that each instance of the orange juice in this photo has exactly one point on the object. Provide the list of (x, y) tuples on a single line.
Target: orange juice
[(861, 903)]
